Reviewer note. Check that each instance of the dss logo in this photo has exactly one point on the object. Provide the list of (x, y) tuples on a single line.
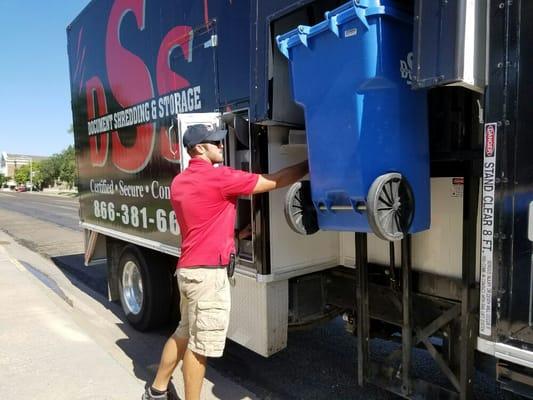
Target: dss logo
[(406, 68)]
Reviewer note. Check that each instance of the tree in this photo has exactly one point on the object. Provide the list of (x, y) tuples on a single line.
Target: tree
[(49, 170), (59, 166), (3, 179), (68, 166), (37, 175), (22, 174)]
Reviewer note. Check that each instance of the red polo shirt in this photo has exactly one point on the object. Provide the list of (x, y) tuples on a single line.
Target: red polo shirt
[(205, 201)]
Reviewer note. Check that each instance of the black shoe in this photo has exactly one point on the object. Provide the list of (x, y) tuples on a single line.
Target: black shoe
[(149, 396)]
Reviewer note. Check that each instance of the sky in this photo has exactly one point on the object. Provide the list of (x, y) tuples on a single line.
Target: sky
[(35, 113)]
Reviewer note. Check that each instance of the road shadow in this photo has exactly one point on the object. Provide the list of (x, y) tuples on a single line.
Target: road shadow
[(95, 277)]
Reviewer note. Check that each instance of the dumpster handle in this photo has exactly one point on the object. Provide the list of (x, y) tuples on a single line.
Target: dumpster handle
[(359, 206)]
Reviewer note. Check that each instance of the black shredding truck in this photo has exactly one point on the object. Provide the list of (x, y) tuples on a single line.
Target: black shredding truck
[(415, 222)]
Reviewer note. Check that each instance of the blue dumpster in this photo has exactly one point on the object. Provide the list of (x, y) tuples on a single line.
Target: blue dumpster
[(351, 74)]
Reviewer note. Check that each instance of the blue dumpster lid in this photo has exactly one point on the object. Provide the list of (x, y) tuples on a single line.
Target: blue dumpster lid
[(355, 9)]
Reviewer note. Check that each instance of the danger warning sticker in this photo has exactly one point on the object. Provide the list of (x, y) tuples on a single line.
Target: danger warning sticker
[(487, 229), (458, 185)]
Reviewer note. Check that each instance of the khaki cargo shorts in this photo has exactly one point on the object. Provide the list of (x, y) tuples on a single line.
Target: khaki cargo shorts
[(205, 306)]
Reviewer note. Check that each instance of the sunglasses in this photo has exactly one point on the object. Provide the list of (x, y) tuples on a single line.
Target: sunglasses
[(213, 142)]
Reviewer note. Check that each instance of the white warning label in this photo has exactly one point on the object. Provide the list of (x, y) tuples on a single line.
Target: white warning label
[(487, 229)]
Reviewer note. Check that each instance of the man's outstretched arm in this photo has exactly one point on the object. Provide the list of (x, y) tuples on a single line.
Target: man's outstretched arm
[(283, 177)]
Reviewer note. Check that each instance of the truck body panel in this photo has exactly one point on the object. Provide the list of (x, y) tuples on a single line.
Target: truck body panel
[(134, 66), (143, 70)]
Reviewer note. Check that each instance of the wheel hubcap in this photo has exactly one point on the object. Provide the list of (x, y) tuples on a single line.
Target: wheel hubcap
[(390, 206), (299, 210), (132, 288)]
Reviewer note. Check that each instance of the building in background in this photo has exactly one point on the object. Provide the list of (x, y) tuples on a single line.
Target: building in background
[(10, 162)]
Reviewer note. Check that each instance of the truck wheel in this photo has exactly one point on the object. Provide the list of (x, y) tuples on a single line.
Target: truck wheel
[(145, 292), (299, 210), (390, 206)]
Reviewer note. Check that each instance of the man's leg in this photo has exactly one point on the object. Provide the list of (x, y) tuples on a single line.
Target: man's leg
[(172, 354), (193, 374)]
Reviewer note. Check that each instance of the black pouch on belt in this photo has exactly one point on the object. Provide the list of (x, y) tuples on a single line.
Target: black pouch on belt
[(231, 265)]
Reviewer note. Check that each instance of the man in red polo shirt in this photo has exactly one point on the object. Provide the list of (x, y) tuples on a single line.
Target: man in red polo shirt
[(204, 197)]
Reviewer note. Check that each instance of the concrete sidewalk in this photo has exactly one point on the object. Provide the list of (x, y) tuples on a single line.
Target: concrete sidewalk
[(43, 352), (61, 340)]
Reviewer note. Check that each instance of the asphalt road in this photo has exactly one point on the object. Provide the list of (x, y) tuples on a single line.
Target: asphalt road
[(319, 362), (59, 210)]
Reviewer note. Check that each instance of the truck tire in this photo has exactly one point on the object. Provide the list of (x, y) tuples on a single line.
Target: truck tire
[(145, 292)]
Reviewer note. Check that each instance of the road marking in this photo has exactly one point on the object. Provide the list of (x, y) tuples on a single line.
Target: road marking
[(65, 207), (8, 195)]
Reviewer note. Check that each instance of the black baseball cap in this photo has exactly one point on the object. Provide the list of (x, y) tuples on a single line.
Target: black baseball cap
[(196, 134)]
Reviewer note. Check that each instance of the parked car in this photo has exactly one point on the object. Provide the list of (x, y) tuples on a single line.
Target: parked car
[(21, 189)]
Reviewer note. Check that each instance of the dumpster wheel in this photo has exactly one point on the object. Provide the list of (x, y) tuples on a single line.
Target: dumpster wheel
[(300, 212), (390, 206)]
